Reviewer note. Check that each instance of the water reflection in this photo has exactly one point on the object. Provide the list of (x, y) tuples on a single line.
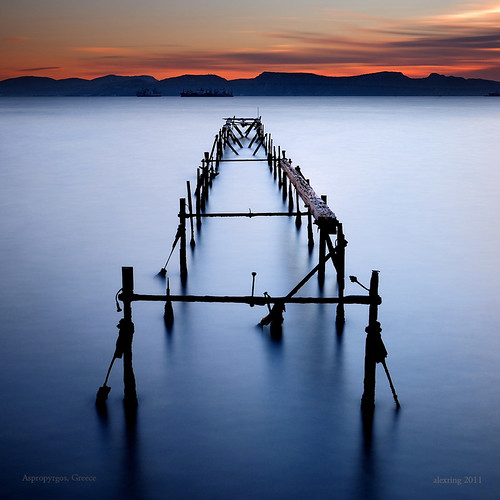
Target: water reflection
[(131, 486), (129, 482)]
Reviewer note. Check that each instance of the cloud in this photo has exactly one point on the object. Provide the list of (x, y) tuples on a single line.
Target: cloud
[(44, 68), (462, 43), (463, 40), (15, 39), (107, 50), (468, 15)]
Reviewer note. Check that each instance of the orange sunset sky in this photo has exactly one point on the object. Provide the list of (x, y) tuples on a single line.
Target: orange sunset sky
[(162, 38)]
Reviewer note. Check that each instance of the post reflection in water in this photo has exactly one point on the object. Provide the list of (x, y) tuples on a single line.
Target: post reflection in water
[(127, 481)]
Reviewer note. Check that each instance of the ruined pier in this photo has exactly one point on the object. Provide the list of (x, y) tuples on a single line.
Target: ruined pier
[(247, 135)]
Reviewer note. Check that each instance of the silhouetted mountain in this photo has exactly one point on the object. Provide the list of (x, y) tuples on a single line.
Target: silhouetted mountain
[(267, 83)]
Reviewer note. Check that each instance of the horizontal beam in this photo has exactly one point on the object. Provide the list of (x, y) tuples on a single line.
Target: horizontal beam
[(238, 118), (242, 299), (247, 214), (243, 159)]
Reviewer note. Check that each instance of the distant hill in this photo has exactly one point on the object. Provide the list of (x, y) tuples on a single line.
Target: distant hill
[(267, 83)]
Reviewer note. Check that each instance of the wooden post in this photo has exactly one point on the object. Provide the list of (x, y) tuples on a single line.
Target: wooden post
[(340, 268), (219, 151), (322, 249), (201, 184), (284, 185), (126, 334), (275, 163), (290, 198), (213, 148), (206, 180), (208, 167), (371, 345), (310, 234), (190, 205), (198, 200), (279, 167), (298, 219), (169, 310), (255, 137), (182, 227)]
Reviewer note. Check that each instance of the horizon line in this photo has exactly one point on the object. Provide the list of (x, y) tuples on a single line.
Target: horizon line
[(245, 78)]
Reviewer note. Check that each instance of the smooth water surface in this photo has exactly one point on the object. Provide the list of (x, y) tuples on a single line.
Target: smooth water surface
[(88, 185)]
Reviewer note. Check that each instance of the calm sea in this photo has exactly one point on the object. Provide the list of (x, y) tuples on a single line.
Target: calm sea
[(88, 185)]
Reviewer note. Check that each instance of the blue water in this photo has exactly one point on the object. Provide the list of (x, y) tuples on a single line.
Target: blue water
[(88, 185)]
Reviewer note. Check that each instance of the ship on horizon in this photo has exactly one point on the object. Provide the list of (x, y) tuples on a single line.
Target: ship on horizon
[(148, 93), (207, 93)]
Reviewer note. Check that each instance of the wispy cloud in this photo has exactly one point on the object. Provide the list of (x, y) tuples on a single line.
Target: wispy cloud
[(465, 43), (15, 39), (43, 68), (108, 50), (467, 40), (475, 14)]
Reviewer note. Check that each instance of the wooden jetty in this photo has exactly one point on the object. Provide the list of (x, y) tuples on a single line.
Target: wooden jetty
[(248, 135)]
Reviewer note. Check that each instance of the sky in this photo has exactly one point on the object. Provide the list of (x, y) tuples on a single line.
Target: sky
[(241, 39)]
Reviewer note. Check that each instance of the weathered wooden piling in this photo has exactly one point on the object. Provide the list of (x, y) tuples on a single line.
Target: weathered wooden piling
[(290, 197), (198, 199), (126, 333), (322, 248), (201, 189), (208, 174), (310, 234), (169, 309), (182, 229), (190, 206), (372, 346), (298, 218), (339, 263)]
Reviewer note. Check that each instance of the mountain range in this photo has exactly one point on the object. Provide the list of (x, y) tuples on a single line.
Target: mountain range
[(266, 84)]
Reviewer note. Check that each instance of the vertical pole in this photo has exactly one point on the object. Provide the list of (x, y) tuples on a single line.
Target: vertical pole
[(290, 197), (298, 219), (278, 166), (128, 290), (275, 163), (219, 150), (204, 175), (126, 336), (340, 268), (372, 342), (284, 185), (322, 250), (182, 226), (208, 167), (213, 148), (310, 234), (198, 200), (190, 205), (201, 184)]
